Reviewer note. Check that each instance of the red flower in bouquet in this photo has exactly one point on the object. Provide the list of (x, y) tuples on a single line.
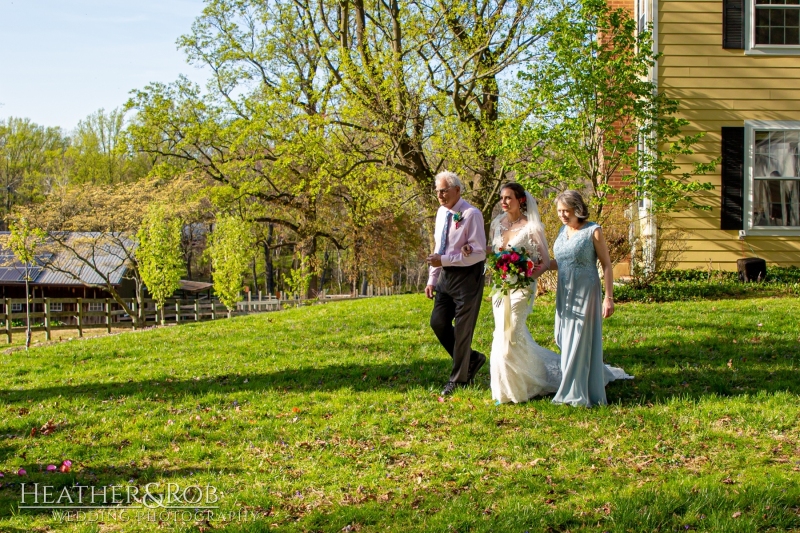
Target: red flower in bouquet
[(512, 269)]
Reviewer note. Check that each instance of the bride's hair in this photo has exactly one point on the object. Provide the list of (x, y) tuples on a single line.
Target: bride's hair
[(519, 193), (530, 209)]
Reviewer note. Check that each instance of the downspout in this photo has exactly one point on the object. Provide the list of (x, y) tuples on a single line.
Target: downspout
[(651, 234), (645, 218)]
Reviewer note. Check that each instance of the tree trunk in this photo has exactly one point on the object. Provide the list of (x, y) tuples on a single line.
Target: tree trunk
[(27, 312), (364, 284), (307, 248), (138, 318), (323, 273), (269, 271), (255, 277), (189, 266)]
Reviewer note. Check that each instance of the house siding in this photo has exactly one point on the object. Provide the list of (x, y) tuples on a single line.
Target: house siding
[(716, 88)]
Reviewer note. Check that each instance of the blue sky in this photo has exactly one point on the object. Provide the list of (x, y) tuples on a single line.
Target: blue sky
[(61, 60)]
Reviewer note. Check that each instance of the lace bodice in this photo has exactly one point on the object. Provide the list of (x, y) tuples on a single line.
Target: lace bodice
[(533, 241), (576, 252)]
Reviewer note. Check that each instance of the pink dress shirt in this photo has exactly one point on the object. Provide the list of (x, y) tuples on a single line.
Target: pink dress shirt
[(468, 230)]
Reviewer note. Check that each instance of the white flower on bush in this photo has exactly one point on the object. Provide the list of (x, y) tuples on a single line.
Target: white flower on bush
[(512, 279)]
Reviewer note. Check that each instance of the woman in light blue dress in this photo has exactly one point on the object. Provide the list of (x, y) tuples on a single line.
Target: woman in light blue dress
[(580, 305)]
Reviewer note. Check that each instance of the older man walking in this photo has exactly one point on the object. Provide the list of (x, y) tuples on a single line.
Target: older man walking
[(456, 280)]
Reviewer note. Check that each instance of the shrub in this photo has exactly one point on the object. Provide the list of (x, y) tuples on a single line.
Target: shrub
[(676, 285)]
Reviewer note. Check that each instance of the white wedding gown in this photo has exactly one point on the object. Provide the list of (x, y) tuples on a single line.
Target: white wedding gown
[(521, 369)]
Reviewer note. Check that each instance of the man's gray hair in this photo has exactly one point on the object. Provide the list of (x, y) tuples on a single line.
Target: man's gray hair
[(574, 200), (450, 178)]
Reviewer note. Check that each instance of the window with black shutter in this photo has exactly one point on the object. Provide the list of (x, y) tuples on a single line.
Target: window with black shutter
[(732, 178), (733, 24)]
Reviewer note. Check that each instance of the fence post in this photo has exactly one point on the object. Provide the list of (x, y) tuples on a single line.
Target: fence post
[(196, 310), (249, 301), (177, 311), (46, 319), (8, 318), (135, 315), (213, 310), (108, 315), (80, 317)]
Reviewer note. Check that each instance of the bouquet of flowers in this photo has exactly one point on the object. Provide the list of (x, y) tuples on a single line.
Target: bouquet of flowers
[(511, 269)]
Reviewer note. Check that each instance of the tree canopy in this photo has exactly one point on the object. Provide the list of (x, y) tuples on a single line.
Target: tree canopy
[(323, 125)]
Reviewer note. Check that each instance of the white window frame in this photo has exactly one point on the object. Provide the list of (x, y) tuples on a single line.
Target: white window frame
[(750, 127), (56, 306), (16, 308), (98, 309), (750, 46)]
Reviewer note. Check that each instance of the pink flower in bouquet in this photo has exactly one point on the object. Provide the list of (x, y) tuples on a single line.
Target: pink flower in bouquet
[(514, 257), (529, 271)]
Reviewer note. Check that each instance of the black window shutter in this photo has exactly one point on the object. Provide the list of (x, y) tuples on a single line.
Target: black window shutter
[(732, 178), (733, 24)]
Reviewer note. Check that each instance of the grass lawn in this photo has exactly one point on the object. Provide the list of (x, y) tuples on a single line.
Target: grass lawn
[(58, 335), (328, 418)]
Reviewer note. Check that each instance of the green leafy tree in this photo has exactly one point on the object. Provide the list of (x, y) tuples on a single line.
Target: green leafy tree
[(306, 94), (299, 278), (598, 114), (92, 230), (24, 242), (272, 165), (98, 151), (231, 250), (161, 262), (27, 155)]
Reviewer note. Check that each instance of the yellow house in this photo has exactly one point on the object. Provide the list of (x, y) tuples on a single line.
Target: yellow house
[(735, 67)]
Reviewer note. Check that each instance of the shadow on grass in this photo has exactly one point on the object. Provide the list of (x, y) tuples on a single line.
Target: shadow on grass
[(356, 377), (701, 368), (689, 370)]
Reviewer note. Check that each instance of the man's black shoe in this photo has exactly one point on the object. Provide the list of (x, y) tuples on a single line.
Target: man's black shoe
[(451, 387), (475, 364)]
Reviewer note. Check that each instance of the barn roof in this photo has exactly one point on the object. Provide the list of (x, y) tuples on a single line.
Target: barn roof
[(58, 267)]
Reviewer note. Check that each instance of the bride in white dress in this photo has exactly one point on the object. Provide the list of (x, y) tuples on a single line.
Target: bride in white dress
[(520, 369)]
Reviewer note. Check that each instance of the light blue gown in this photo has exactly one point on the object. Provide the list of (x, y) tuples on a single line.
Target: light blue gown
[(579, 321)]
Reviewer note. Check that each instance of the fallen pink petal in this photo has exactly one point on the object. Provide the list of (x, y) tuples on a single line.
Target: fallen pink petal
[(52, 468), (21, 472)]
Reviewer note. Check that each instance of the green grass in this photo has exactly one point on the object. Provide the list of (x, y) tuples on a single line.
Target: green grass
[(327, 418)]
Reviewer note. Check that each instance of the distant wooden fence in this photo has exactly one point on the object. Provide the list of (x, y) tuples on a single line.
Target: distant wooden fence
[(89, 313), (92, 313)]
